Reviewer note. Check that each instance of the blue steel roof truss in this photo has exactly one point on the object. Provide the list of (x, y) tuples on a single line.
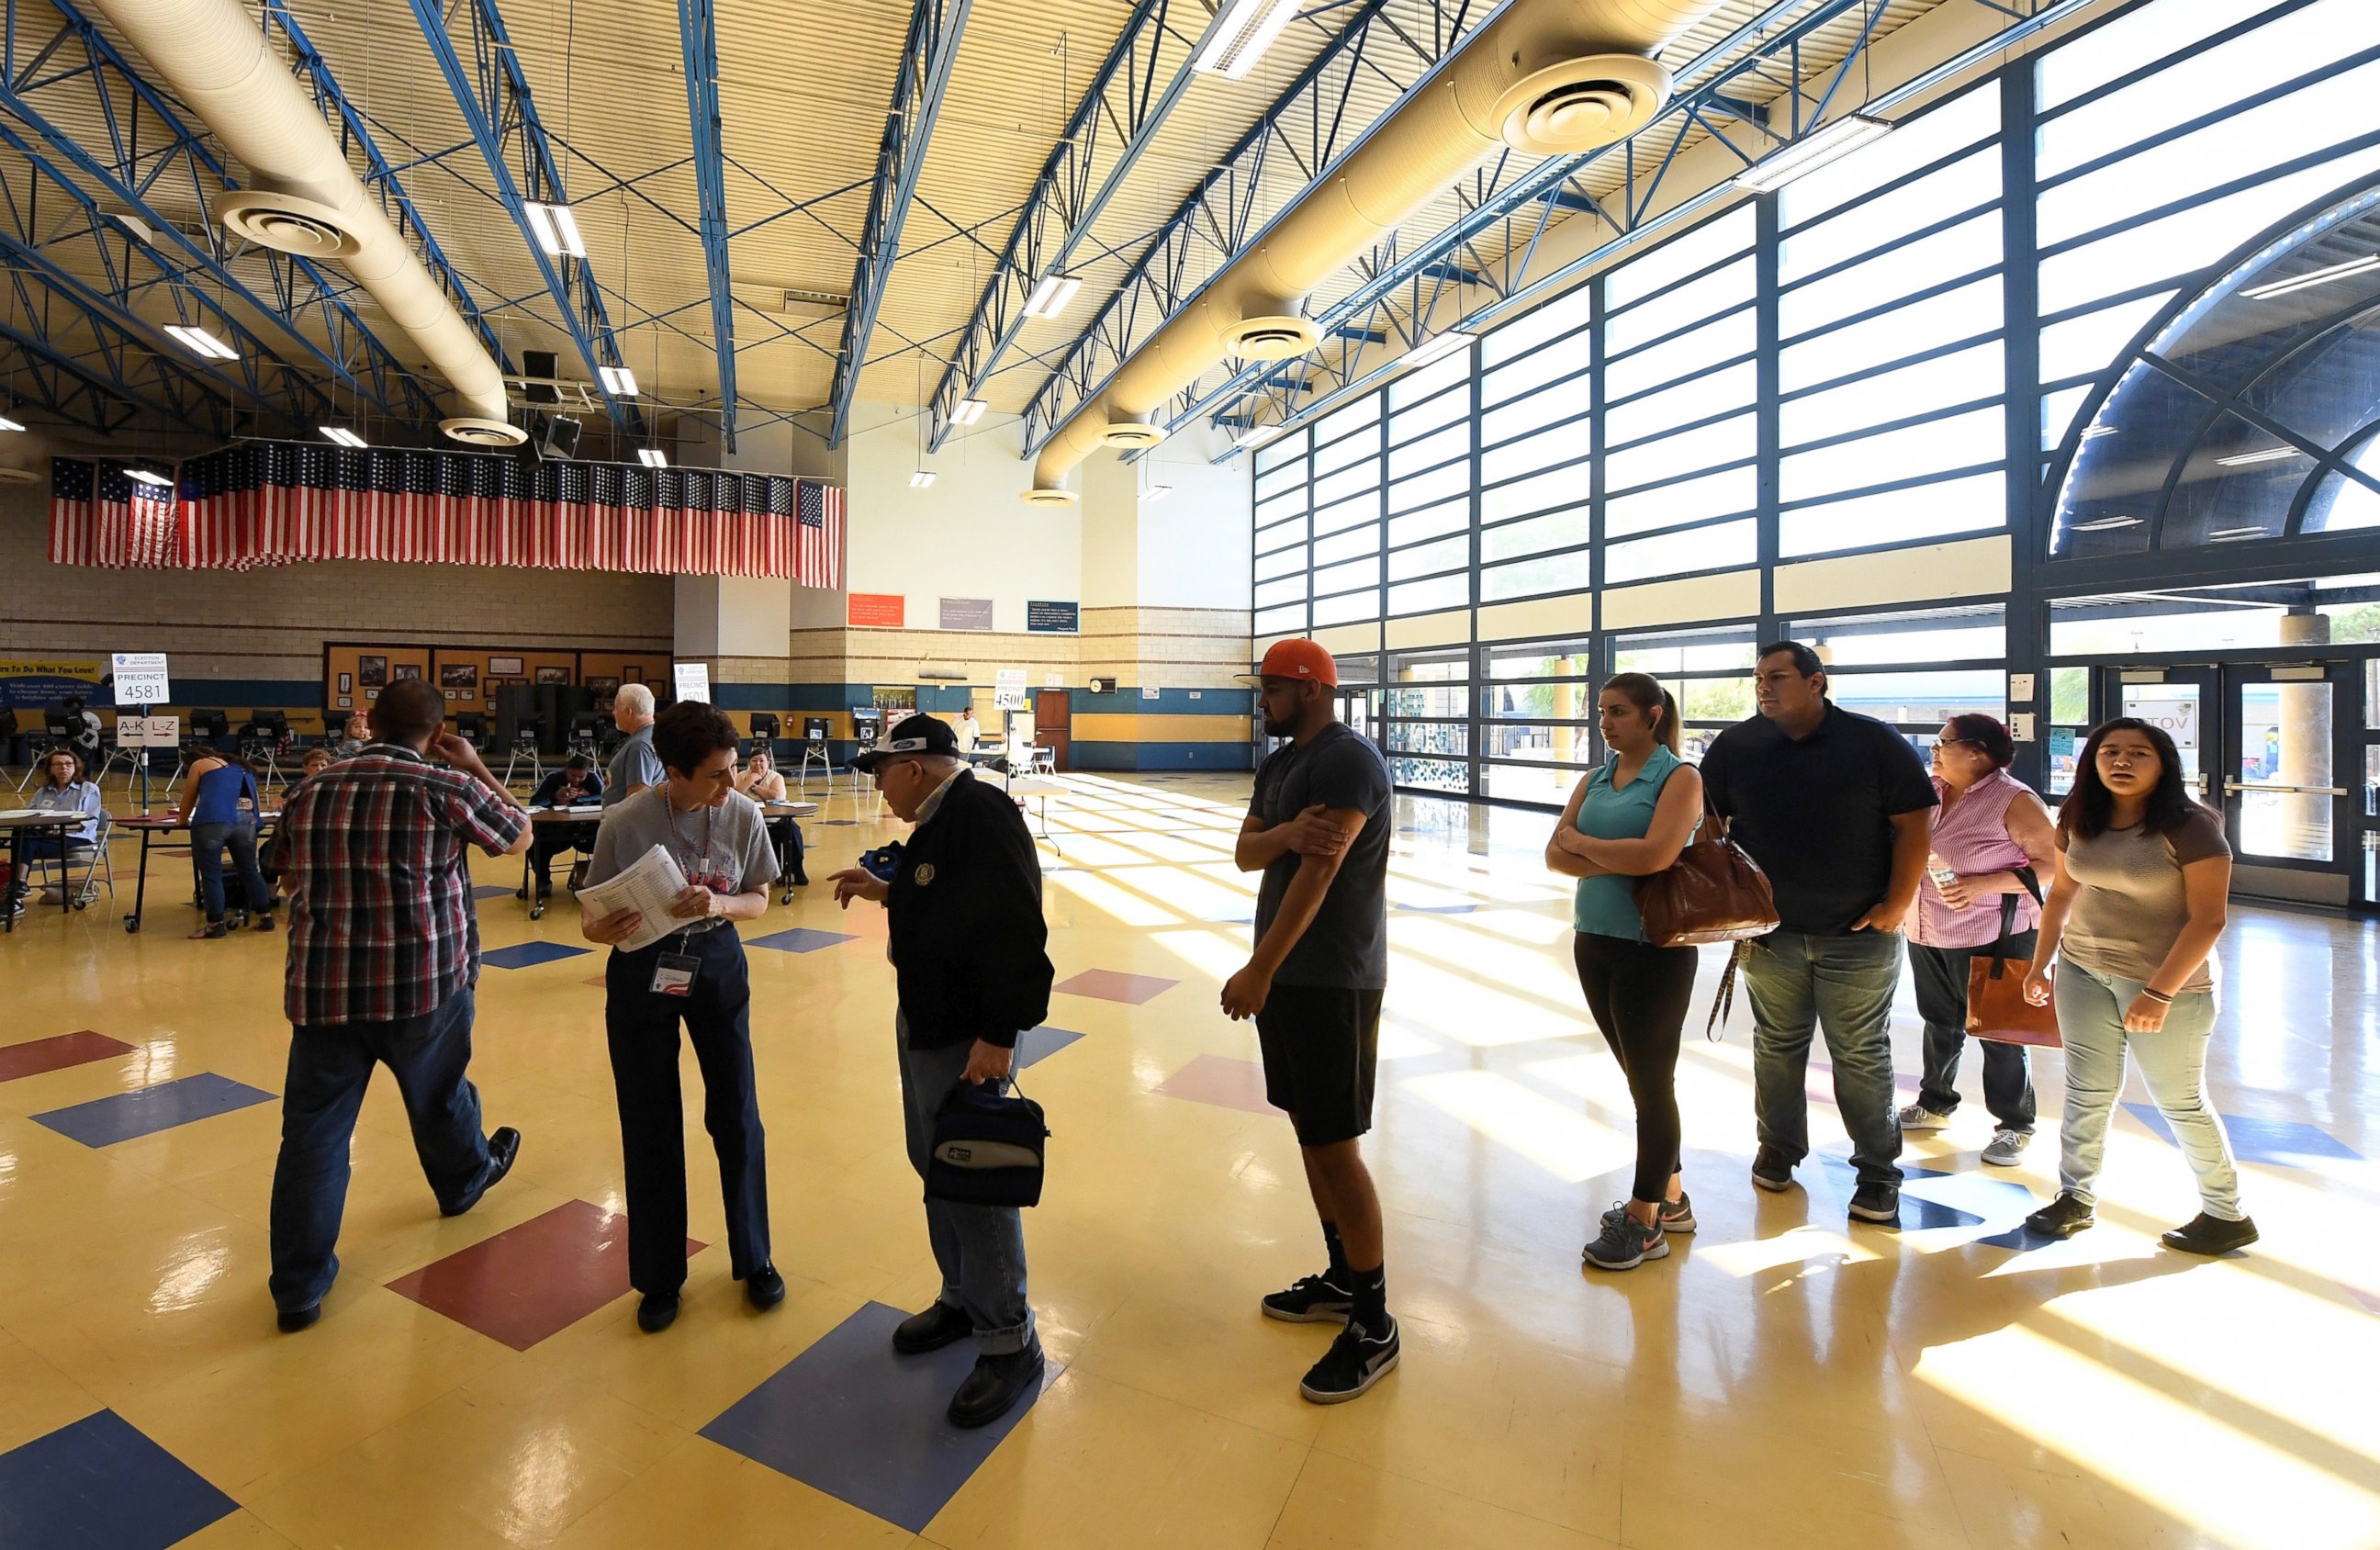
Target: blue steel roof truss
[(699, 37)]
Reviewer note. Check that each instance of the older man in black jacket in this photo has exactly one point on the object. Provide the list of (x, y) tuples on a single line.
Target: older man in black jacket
[(968, 949)]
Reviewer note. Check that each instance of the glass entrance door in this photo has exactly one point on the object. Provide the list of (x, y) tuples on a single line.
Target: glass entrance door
[(2187, 702), (2286, 802)]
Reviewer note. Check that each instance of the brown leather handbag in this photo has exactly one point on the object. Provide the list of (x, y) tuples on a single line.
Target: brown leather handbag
[(1997, 1009), (1713, 892)]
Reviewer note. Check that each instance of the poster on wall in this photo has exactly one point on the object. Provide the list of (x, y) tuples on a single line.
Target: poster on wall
[(554, 676), (878, 610), (1053, 618), (966, 613), (506, 667), (403, 671), (44, 683), (371, 673), (603, 687), (458, 676)]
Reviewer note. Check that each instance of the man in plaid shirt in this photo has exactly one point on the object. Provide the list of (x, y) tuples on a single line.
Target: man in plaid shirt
[(384, 951)]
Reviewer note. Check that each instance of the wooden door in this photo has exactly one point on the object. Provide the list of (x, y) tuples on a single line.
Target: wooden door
[(1054, 724)]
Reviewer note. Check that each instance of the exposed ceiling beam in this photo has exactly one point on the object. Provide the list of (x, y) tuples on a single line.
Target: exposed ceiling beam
[(925, 59), (699, 37)]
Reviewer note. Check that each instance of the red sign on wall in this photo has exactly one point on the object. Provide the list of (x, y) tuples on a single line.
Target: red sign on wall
[(885, 609)]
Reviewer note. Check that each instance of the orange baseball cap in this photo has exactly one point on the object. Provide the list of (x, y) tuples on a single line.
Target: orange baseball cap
[(1295, 658)]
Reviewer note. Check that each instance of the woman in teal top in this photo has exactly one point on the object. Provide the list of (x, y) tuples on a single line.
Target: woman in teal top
[(1628, 820)]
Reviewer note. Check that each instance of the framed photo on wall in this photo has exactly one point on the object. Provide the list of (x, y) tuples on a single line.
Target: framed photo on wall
[(346, 683), (459, 675), (632, 673), (347, 702), (372, 672), (403, 671), (504, 667), (554, 676), (602, 688)]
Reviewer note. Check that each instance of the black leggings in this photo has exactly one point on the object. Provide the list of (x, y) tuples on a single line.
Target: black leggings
[(1638, 994)]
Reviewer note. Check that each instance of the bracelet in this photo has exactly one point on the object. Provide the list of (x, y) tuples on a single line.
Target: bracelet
[(2157, 996)]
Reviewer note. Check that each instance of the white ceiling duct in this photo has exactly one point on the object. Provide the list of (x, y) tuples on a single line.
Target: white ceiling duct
[(1547, 77), (306, 198)]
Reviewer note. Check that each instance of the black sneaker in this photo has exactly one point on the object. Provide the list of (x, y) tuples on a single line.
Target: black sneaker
[(1310, 1300), (2062, 1217), (1626, 1242), (939, 1326), (995, 1386), (1677, 1216), (1771, 1171), (1877, 1202), (1354, 1361), (764, 1289), (2210, 1235), (292, 1320), (657, 1312)]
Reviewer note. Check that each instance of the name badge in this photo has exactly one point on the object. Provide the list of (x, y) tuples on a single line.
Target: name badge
[(673, 973)]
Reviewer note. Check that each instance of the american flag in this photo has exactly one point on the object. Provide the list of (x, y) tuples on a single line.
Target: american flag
[(285, 502)]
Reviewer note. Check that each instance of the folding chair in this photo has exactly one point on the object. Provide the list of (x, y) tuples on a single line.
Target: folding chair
[(525, 739), (39, 870)]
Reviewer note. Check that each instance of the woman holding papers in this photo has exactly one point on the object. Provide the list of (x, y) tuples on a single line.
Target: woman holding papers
[(675, 867)]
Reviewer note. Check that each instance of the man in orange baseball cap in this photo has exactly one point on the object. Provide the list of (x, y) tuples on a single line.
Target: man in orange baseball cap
[(1318, 830)]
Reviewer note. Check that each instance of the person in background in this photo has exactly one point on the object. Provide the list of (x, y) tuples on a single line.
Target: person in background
[(1628, 820), (354, 740), (382, 973), (633, 765), (63, 790), (1990, 825), (575, 785), (212, 796), (764, 783), (2144, 872), (1317, 828), (84, 730), (697, 974), (972, 972), (317, 760), (969, 734), (1837, 810)]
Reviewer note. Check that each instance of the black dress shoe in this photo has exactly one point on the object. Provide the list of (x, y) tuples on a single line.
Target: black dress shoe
[(938, 1327), (764, 1289), (657, 1312), (995, 1386), (502, 1147), (2203, 1234), (293, 1319)]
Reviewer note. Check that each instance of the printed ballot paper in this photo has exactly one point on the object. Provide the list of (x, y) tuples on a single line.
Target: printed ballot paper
[(646, 886)]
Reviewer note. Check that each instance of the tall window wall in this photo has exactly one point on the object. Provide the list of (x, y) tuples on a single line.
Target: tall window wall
[(1755, 414)]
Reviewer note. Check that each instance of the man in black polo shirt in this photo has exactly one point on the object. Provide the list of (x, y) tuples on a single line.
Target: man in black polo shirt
[(1318, 830), (1838, 810)]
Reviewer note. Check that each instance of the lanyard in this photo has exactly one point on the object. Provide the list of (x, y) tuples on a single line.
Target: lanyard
[(692, 865)]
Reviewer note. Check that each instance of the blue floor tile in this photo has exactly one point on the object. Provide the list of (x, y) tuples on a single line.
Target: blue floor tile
[(105, 1122), (800, 938), (1038, 1044), (851, 1419), (523, 955), (2281, 1142), (1917, 1211), (492, 892), (99, 1485)]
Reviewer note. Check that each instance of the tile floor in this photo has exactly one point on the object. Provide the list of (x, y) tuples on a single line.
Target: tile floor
[(1784, 1379)]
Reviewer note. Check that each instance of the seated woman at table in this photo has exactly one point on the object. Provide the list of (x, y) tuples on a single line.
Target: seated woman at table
[(764, 783), (353, 740), (318, 759), (575, 785), (213, 793), (63, 790)]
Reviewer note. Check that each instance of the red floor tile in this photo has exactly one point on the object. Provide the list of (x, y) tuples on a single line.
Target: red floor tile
[(58, 1052), (532, 1280), (1221, 1081), (1109, 985)]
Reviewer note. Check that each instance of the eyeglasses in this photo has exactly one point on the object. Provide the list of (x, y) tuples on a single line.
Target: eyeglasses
[(1941, 743)]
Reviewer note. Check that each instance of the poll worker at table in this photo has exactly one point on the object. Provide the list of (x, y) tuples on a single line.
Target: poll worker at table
[(64, 789), (316, 761), (634, 764), (970, 958), (383, 956), (221, 803), (764, 783), (575, 785), (696, 974)]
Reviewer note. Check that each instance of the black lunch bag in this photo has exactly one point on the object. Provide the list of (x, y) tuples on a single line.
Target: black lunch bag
[(988, 1148)]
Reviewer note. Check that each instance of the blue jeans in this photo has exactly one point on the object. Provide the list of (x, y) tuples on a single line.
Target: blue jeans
[(1798, 982), (328, 1069), (980, 1249), (2172, 1062), (207, 844)]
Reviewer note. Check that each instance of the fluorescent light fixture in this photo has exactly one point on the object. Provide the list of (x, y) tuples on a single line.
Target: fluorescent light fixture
[(618, 380), (1255, 436), (344, 436), (969, 410), (921, 479), (2222, 535), (2262, 455), (652, 457), (2106, 524), (7, 424), (200, 343), (1436, 347), (2312, 277), (149, 477), (1156, 492), (1051, 294), (556, 228), (1812, 152), (1242, 34)]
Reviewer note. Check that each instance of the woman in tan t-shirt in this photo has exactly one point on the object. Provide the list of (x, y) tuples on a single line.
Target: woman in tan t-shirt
[(764, 783), (2143, 876)]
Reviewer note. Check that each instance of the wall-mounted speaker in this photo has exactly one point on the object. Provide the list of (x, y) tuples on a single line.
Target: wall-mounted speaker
[(557, 438), (534, 365)]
